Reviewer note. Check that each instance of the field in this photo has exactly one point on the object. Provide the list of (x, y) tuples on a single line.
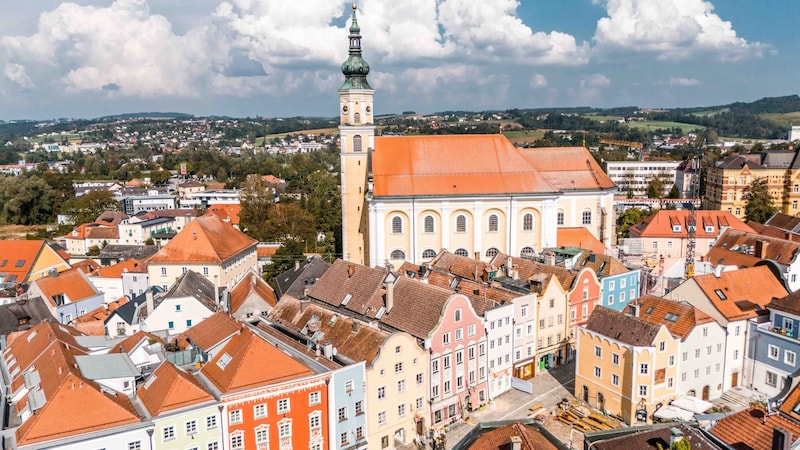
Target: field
[(784, 119), (523, 136), (270, 137), (19, 231), (655, 125), (72, 138)]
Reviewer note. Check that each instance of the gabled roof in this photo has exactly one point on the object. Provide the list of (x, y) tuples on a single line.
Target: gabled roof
[(190, 184), (205, 239), (241, 364), (530, 435), (673, 224), (752, 428), (124, 252), (461, 266), (452, 165), (17, 258), (789, 303), (51, 350), (251, 286), (169, 388), (94, 230), (752, 161), (127, 312), (528, 269), (358, 342), (653, 437), (733, 294), (358, 287), (740, 248), (192, 284), (410, 314), (116, 270), (87, 266), (579, 237), (568, 168), (227, 212), (784, 222), (213, 330), (602, 265), (680, 318), (172, 212), (111, 217), (292, 282), (627, 329), (72, 283), (131, 342), (20, 316), (106, 366)]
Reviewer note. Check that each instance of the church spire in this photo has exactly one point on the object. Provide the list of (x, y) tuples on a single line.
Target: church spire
[(355, 69)]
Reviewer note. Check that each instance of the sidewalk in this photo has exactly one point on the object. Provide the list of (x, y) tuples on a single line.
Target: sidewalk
[(548, 389)]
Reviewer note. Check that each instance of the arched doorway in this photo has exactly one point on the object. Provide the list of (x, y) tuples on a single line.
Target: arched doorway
[(706, 392), (601, 402)]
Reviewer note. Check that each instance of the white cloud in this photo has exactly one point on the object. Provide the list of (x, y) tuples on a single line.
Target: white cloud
[(683, 82), (121, 46), (670, 29), (17, 74), (597, 80), (538, 81)]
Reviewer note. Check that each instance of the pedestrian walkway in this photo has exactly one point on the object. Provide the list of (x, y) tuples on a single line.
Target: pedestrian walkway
[(549, 389)]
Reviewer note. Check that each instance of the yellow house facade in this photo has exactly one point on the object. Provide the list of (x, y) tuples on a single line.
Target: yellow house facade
[(624, 365)]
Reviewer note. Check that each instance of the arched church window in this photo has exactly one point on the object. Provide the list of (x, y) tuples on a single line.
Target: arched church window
[(492, 252), (397, 225), (428, 224), (462, 252), (527, 222), (398, 255), (461, 224), (357, 143), (428, 253), (493, 222)]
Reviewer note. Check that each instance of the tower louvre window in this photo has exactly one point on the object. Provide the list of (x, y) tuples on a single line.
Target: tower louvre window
[(357, 143)]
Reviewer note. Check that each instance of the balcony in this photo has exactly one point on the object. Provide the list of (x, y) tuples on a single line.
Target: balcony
[(777, 331)]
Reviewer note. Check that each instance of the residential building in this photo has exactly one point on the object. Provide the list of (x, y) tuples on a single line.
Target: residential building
[(212, 334), (527, 433), (135, 231), (189, 301), (226, 212), (190, 187), (759, 427), (578, 237), (295, 281), (22, 261), (152, 201), (404, 197), (652, 437), (68, 294), (619, 284), (701, 357), (773, 347), (742, 249), (283, 404), (524, 340), (500, 334), (183, 413), (208, 197), (624, 367), (208, 246), (633, 177), (125, 278), (112, 254), (89, 237), (666, 233), (251, 298), (93, 322), (728, 179), (729, 298), (127, 319)]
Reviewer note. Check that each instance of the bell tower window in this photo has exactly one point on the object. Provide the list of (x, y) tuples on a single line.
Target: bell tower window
[(357, 142)]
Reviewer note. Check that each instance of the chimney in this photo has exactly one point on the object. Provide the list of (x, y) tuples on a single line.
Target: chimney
[(327, 349), (761, 249), (477, 256), (148, 295), (509, 266), (718, 270), (550, 258), (351, 269), (355, 326), (515, 443), (388, 296), (675, 435)]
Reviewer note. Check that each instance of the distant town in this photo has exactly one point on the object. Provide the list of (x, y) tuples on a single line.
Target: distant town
[(549, 279)]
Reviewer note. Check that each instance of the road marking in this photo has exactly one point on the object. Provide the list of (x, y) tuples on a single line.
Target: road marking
[(525, 406)]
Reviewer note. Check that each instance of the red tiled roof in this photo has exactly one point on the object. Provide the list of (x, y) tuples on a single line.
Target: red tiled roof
[(363, 285), (568, 168), (213, 330), (616, 325), (656, 309), (205, 239), (452, 165), (171, 388), (579, 237), (132, 341), (746, 249), (72, 283), (17, 257), (243, 364), (752, 428), (737, 286), (530, 438), (251, 285), (226, 212), (87, 266), (94, 230), (116, 270), (661, 224)]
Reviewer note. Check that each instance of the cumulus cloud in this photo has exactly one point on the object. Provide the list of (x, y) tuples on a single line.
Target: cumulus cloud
[(683, 82), (538, 81), (17, 74), (121, 46), (670, 29)]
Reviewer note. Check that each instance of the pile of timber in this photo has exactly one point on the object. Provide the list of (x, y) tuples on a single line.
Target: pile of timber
[(586, 421)]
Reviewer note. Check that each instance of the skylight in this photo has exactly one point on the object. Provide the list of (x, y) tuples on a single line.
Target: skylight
[(20, 263), (346, 299), (671, 317), (720, 294), (224, 360), (649, 310), (150, 381)]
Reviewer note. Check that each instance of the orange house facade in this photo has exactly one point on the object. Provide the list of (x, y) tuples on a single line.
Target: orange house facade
[(289, 415)]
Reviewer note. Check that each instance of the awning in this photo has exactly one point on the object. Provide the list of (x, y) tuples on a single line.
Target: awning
[(692, 404), (670, 412)]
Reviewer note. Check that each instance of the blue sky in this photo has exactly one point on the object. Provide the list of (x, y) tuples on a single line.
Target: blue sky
[(89, 58)]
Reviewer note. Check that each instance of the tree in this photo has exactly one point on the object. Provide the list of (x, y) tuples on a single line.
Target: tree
[(284, 258), (26, 200), (759, 206), (257, 206), (630, 217), (159, 177), (86, 208), (674, 192), (656, 188)]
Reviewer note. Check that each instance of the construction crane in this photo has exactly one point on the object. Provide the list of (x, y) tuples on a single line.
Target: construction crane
[(691, 223)]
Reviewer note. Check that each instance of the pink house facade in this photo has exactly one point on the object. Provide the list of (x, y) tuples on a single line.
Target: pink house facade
[(458, 362)]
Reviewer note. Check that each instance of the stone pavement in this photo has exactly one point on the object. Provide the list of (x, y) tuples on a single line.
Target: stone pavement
[(548, 389)]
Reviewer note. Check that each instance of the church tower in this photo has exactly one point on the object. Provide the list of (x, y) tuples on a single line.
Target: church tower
[(357, 136)]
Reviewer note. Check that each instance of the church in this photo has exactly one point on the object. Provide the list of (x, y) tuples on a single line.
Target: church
[(406, 197)]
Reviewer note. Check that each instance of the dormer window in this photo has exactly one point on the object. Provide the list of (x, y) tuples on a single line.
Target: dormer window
[(676, 228), (709, 228)]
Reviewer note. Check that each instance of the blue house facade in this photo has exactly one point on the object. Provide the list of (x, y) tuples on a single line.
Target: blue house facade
[(347, 397), (773, 347), (619, 289)]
